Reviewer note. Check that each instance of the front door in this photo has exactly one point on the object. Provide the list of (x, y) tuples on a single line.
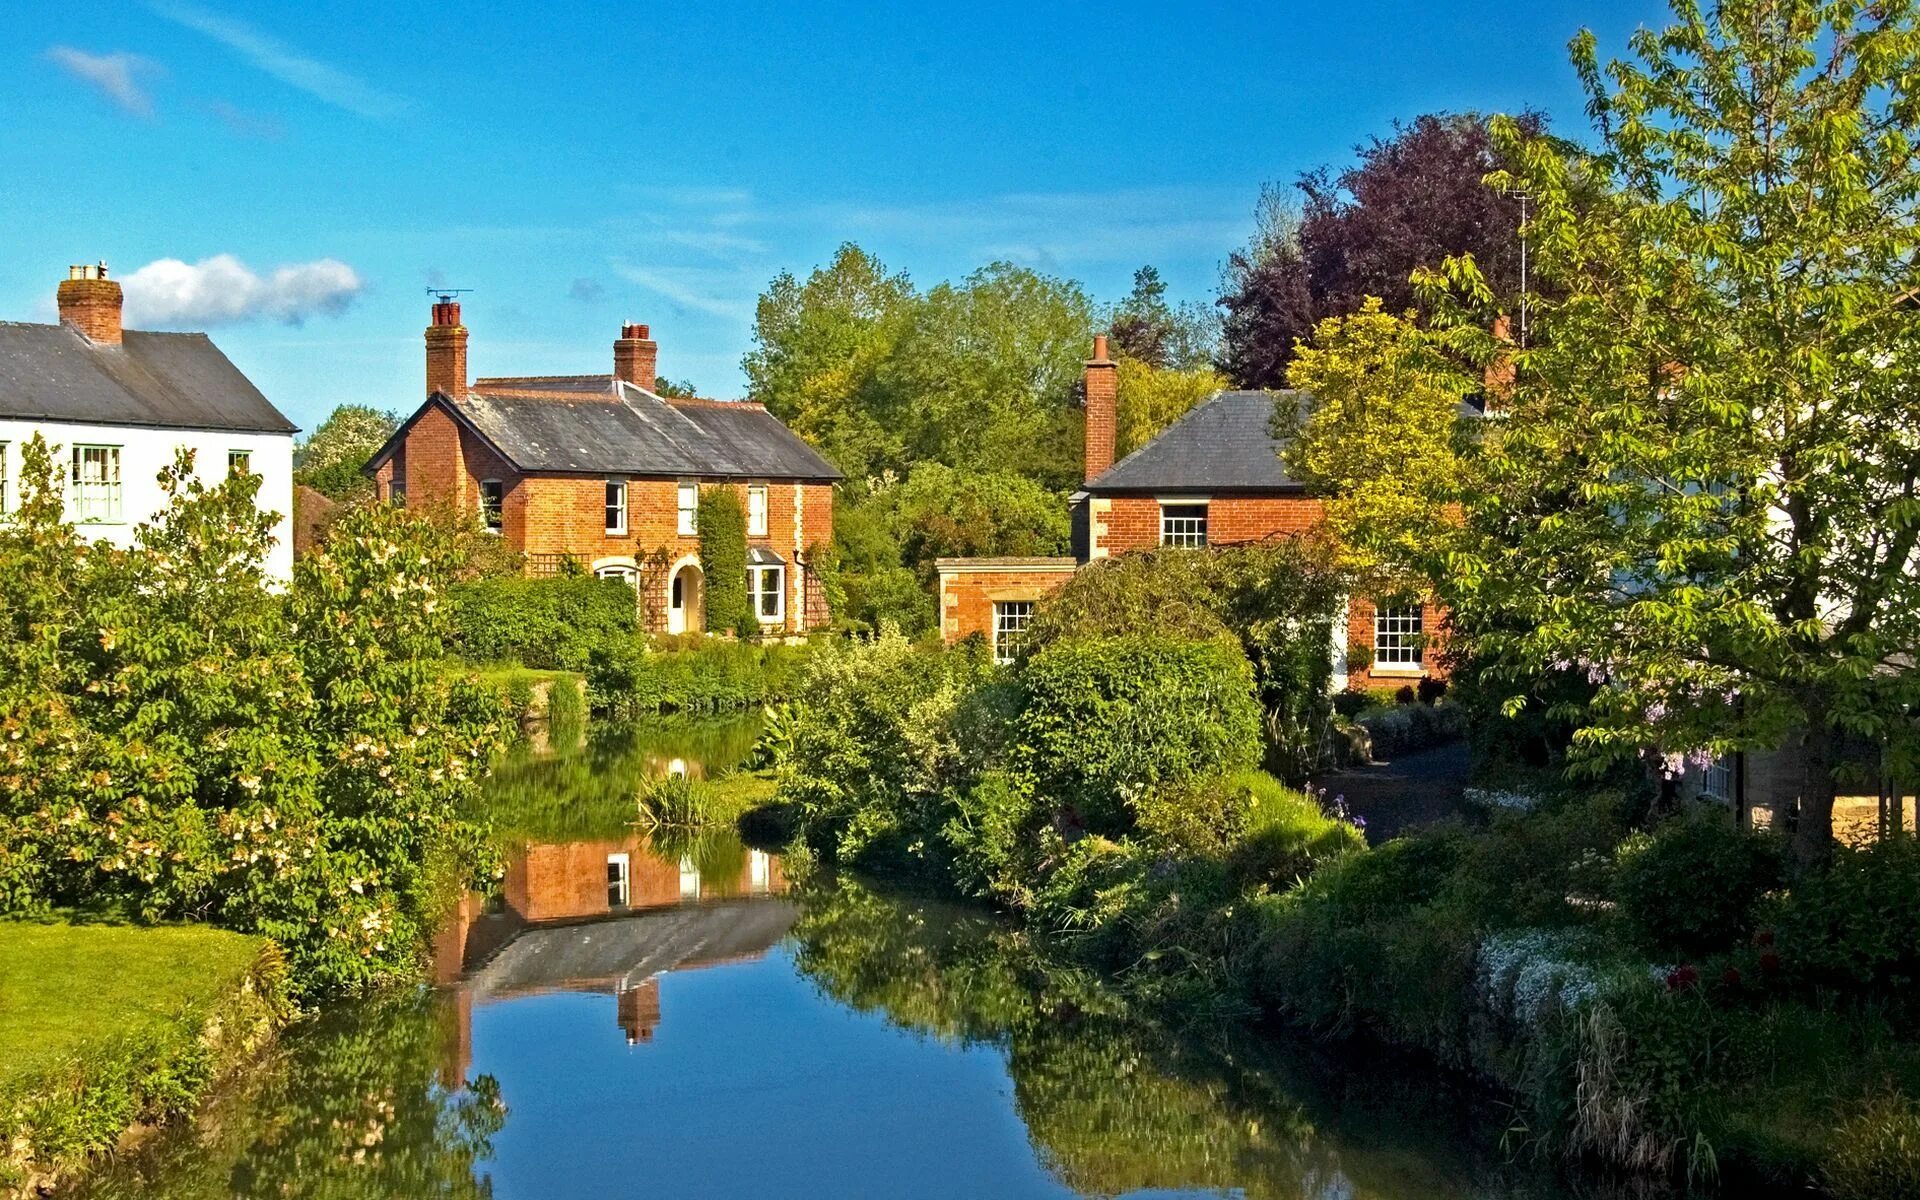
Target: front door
[(677, 603)]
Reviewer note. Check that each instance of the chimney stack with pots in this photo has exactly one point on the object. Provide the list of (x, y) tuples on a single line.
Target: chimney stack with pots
[(1103, 401), (636, 357), (447, 350), (90, 303)]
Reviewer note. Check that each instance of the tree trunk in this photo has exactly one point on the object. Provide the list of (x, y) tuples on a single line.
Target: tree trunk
[(1813, 836)]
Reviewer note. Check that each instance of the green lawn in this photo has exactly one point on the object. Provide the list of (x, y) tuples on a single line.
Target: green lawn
[(65, 987)]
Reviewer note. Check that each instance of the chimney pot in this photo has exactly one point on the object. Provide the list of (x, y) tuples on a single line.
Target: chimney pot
[(636, 357), (90, 303), (447, 351), (1100, 347)]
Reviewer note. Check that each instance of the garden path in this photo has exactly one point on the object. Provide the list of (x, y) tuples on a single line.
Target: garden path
[(1410, 791)]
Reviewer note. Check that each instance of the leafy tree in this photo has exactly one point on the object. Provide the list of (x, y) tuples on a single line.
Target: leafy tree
[(941, 512), (723, 563), (1146, 328), (1412, 200), (674, 389), (986, 375), (867, 584), (329, 459), (1702, 494), (818, 350), (1152, 398)]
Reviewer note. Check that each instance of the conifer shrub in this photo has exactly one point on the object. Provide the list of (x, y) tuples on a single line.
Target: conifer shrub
[(723, 563)]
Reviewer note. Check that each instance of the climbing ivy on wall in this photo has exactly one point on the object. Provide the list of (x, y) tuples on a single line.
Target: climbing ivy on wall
[(723, 560)]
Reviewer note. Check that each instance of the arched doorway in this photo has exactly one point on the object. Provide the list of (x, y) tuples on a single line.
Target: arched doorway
[(686, 599)]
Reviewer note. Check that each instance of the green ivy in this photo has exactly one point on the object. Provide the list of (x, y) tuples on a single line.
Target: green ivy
[(723, 561)]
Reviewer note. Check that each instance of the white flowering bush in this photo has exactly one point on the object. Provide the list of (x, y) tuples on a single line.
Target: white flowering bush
[(1500, 799), (1528, 975)]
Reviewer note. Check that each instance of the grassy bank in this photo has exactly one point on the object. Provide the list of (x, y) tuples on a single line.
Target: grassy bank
[(104, 1028)]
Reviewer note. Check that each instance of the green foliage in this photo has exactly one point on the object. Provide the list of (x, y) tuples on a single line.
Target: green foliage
[(1277, 600), (1693, 885), (1876, 1151), (329, 459), (1161, 336), (1107, 721), (723, 563), (628, 678), (1856, 924), (108, 1026), (554, 623), (1285, 836), (1151, 398), (679, 801), (194, 743)]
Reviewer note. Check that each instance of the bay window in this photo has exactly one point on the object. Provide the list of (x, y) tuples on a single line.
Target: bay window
[(767, 586)]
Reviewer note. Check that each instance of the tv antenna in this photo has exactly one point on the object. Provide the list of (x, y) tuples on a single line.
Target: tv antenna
[(447, 295)]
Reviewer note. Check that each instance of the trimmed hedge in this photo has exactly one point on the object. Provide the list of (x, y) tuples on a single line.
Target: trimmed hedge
[(552, 623), (1107, 720)]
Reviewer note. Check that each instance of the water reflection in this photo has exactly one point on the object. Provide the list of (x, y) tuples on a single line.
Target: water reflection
[(672, 1010)]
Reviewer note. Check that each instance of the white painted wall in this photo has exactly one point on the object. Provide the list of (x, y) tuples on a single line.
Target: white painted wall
[(143, 453)]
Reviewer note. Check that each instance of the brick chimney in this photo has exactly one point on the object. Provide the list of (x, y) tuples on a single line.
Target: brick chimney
[(636, 357), (90, 303), (1103, 400), (447, 350)]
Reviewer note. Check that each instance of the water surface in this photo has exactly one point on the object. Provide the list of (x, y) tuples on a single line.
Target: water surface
[(634, 1016)]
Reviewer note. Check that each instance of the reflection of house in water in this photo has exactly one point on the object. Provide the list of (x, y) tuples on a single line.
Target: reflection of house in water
[(610, 917)]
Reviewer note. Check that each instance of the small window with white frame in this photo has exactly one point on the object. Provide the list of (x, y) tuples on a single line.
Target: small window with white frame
[(1716, 782), (687, 500), (493, 503), (6, 482), (1397, 633), (616, 506), (1183, 523), (767, 587), (757, 510), (1010, 621), (95, 488), (239, 462), (619, 881)]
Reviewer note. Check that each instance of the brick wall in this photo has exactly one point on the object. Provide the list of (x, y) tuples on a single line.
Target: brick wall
[(568, 880), (967, 596), (1123, 523), (1361, 672)]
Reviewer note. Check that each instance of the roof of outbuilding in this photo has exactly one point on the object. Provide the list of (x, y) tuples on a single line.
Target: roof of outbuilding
[(162, 380), (1224, 443), (590, 425)]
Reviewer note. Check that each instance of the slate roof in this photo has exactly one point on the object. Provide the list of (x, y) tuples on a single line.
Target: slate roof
[(619, 952), (159, 380), (1224, 443), (589, 425)]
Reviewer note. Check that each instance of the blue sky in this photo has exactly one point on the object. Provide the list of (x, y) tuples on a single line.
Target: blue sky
[(293, 177)]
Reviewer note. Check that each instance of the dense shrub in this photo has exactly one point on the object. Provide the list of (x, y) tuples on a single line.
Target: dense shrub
[(1108, 721), (553, 623), (723, 563), (1543, 868), (993, 834), (1285, 836), (1856, 923), (628, 677), (1694, 884), (191, 743), (1278, 600)]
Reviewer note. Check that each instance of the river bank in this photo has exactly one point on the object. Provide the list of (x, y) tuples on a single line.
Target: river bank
[(109, 1031)]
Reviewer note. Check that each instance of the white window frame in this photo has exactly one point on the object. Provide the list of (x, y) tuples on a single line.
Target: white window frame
[(616, 506), (493, 516), (1398, 633), (239, 462), (687, 505), (6, 480), (626, 574), (757, 589), (101, 499), (1185, 529), (1716, 781), (1010, 621), (619, 881), (757, 510)]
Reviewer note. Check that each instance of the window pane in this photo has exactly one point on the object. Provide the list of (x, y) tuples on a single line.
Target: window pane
[(1183, 524), (1396, 636), (689, 508), (616, 507), (1010, 621)]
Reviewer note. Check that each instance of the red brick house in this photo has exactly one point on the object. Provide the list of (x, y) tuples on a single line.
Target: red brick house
[(1212, 478), (603, 470)]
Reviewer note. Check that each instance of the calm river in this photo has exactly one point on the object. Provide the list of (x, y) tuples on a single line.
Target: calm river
[(630, 1019)]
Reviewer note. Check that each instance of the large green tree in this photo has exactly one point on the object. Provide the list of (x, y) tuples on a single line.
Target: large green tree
[(1702, 492), (329, 459)]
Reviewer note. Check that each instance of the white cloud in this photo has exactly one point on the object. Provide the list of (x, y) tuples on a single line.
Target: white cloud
[(720, 293), (321, 80), (222, 290), (116, 75)]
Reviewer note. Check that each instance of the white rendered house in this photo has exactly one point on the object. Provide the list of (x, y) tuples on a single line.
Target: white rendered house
[(115, 404)]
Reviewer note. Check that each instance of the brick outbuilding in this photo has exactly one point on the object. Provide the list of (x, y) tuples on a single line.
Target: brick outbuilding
[(1213, 478), (607, 472)]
